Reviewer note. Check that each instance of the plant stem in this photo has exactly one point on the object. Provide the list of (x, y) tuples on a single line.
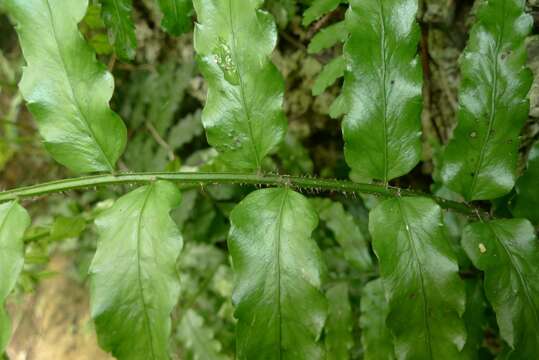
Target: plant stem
[(205, 179)]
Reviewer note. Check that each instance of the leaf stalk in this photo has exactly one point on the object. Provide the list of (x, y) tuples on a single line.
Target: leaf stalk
[(192, 179)]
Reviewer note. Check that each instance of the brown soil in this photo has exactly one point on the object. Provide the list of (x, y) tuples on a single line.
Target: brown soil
[(54, 322)]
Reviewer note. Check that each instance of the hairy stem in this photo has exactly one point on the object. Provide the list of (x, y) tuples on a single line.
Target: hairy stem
[(204, 179)]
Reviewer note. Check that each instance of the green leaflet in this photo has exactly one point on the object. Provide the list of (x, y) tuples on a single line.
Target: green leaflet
[(134, 283), (347, 233), (420, 273), (375, 335), (198, 338), (66, 228), (279, 306), (508, 252), (329, 74), (176, 16), (327, 37), (382, 129), (480, 161), (319, 8), (14, 221), (67, 90), (243, 115), (526, 202), (338, 331), (117, 15)]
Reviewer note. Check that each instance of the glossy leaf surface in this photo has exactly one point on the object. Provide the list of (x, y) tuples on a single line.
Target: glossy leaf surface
[(338, 330), (480, 161), (134, 283), (279, 306), (526, 202), (67, 90), (117, 15), (243, 115), (375, 335), (508, 252), (420, 273), (14, 221), (383, 88), (176, 15)]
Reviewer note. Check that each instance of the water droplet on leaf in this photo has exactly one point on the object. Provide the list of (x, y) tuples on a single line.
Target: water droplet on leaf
[(223, 58)]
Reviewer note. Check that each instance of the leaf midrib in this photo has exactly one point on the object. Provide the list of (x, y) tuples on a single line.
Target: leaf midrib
[(421, 277), (175, 10), (139, 270), (71, 88), (384, 89), (493, 96), (246, 109), (277, 254), (119, 17), (521, 278)]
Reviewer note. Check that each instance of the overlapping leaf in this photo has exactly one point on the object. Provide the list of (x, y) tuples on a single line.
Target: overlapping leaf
[(67, 90), (243, 115), (117, 15), (338, 330), (134, 283), (176, 15), (383, 88), (279, 306), (480, 161), (14, 221), (375, 335), (508, 252), (526, 202), (420, 273)]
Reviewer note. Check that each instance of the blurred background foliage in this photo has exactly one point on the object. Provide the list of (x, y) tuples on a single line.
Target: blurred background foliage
[(160, 95)]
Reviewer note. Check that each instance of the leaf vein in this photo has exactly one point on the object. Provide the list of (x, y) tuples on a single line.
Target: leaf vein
[(139, 280), (421, 278), (523, 282), (71, 88), (493, 96), (246, 108)]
